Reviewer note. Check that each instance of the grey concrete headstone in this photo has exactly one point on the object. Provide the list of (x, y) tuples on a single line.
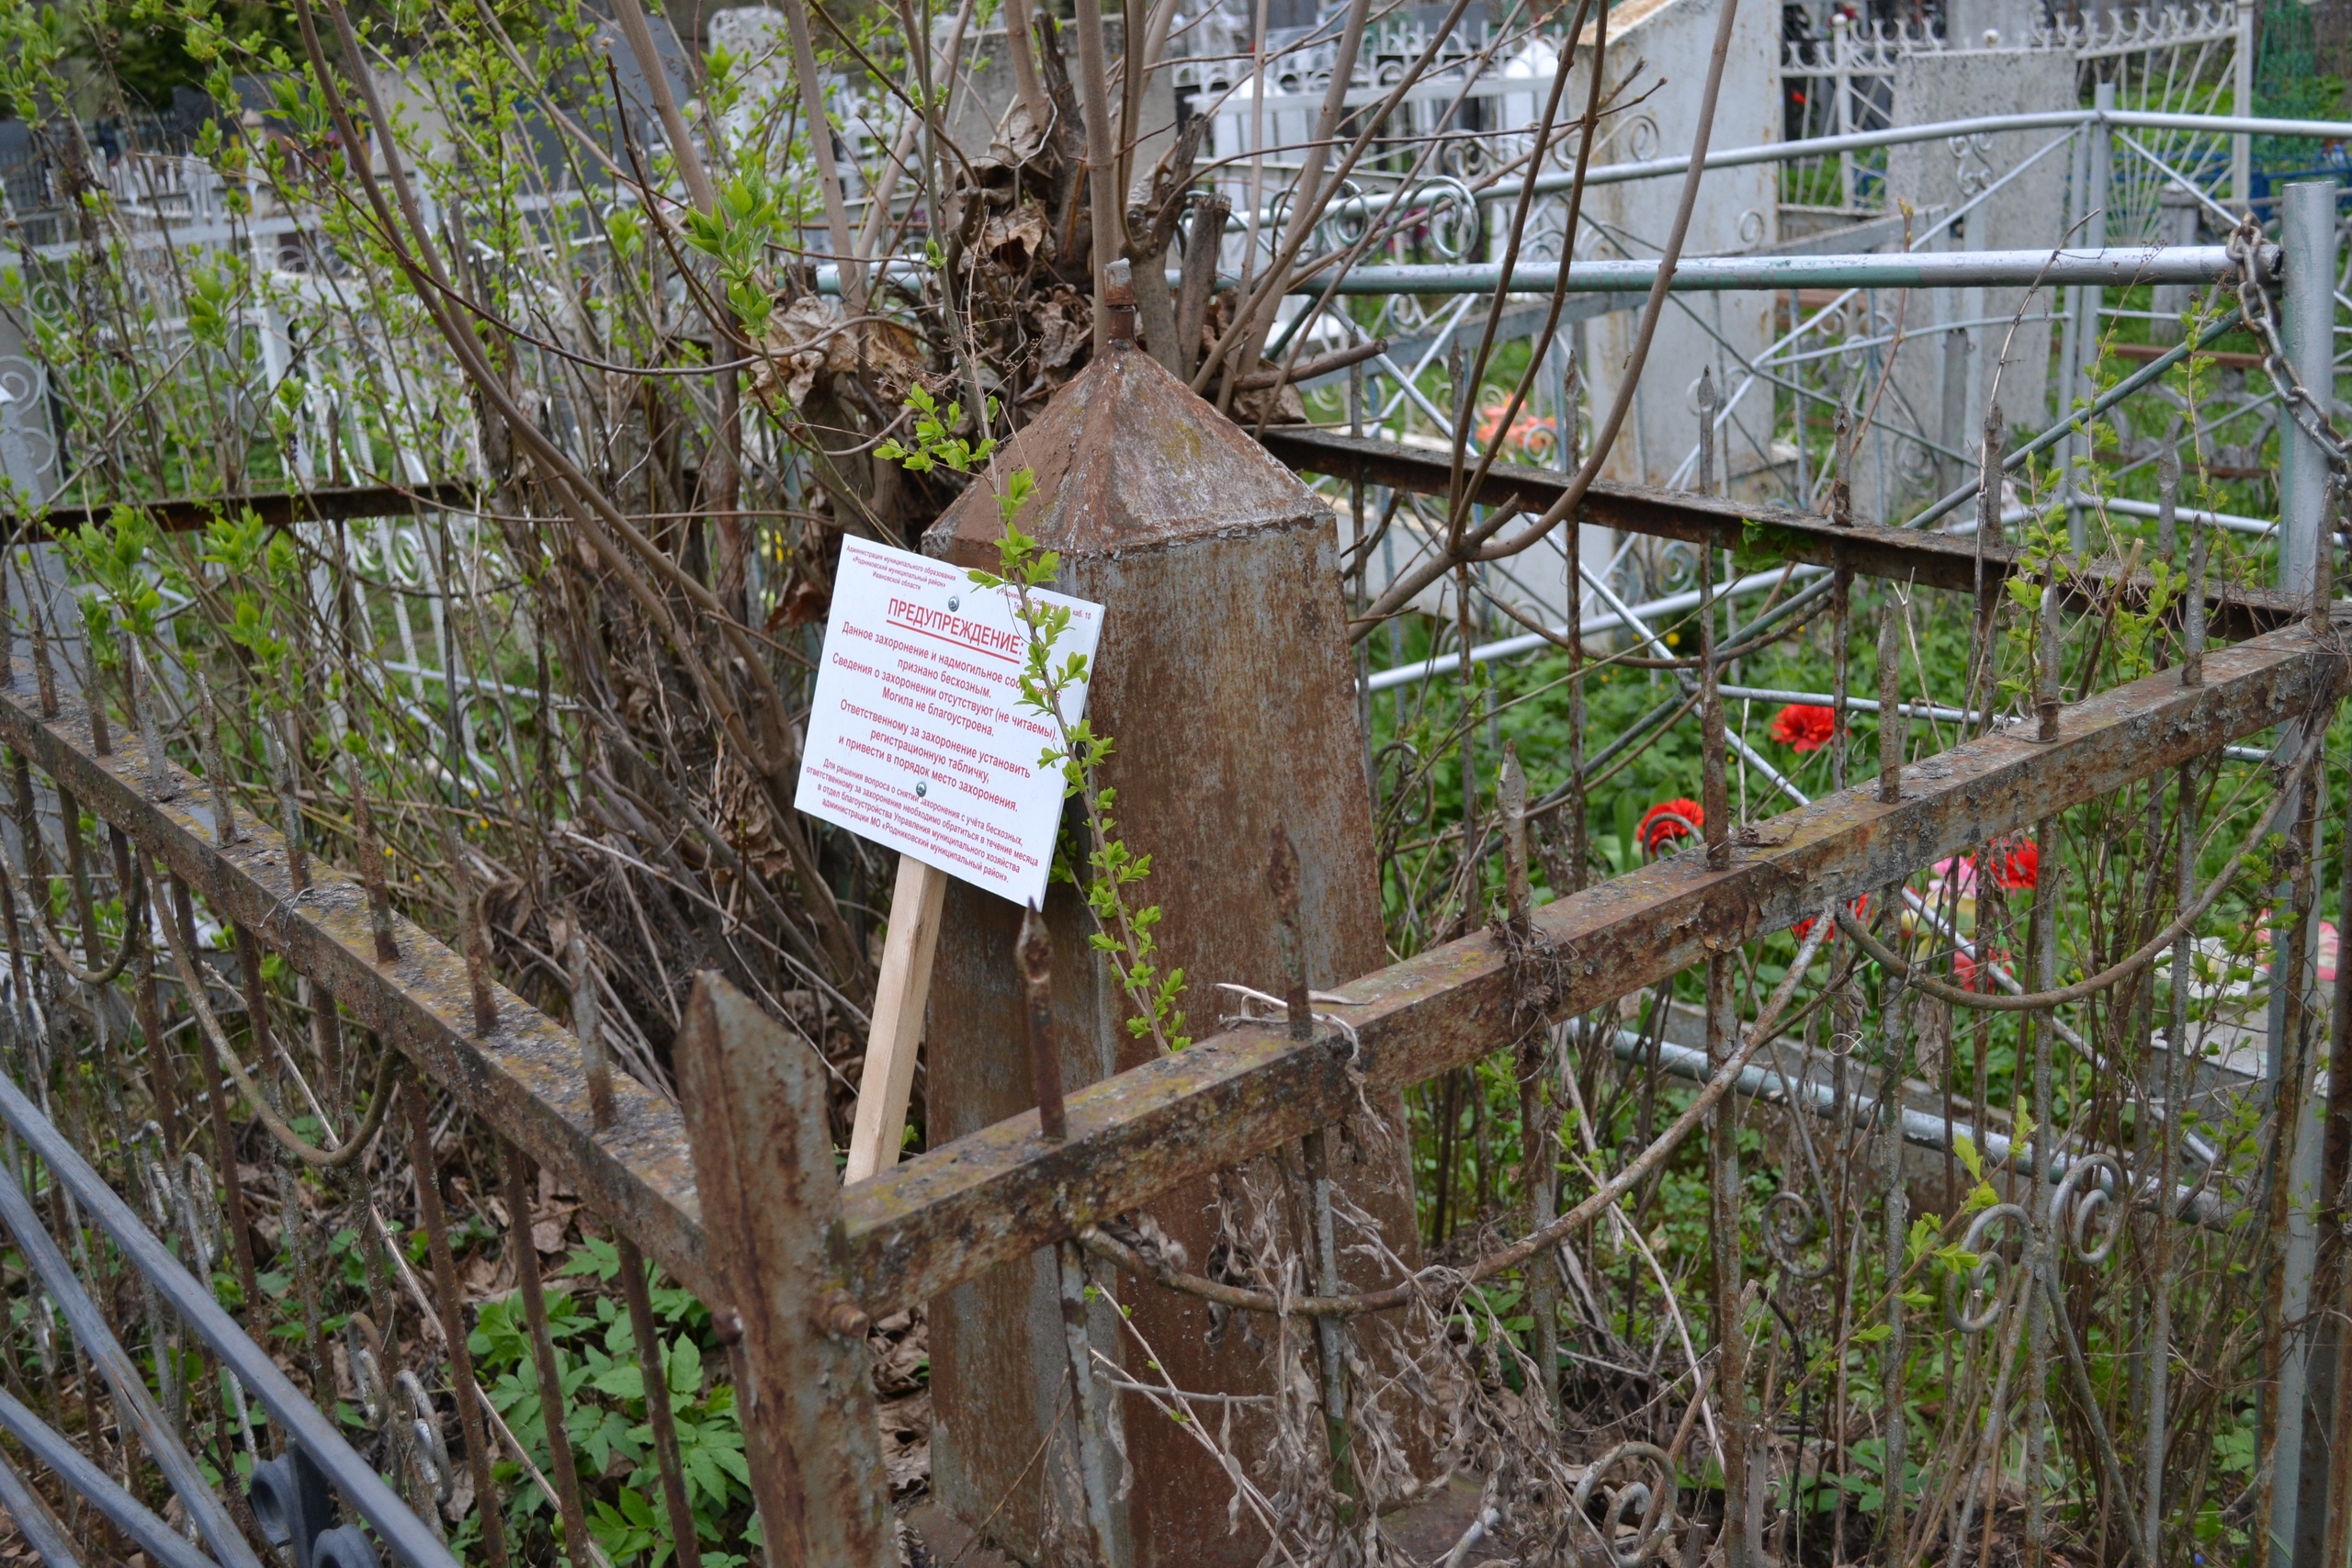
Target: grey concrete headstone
[(2028, 212)]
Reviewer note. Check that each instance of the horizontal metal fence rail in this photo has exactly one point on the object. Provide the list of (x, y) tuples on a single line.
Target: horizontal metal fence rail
[(2120, 267), (999, 1193), (524, 1078), (959, 1209), (1907, 555), (279, 509), (2115, 266)]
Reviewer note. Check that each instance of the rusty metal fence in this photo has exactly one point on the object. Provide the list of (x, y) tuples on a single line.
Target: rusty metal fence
[(761, 1230), (375, 1038)]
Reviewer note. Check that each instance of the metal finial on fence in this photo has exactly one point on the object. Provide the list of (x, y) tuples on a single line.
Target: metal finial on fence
[(1714, 790), (2045, 654), (1841, 484), (216, 763), (290, 801), (1890, 706), (1707, 406), (138, 696), (1988, 482), (1511, 792), (470, 921), (371, 868), (44, 674), (588, 1024)]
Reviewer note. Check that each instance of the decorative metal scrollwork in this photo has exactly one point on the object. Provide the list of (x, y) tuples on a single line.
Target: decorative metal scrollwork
[(1973, 158), (367, 1377), (2088, 1215), (1791, 1225), (426, 1449), (1643, 1505), (1974, 1298)]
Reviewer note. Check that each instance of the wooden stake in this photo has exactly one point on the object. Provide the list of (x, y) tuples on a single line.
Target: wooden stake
[(899, 998)]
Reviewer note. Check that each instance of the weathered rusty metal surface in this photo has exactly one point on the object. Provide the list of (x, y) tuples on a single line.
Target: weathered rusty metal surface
[(525, 1079), (1000, 1193), (1223, 679), (278, 508), (755, 1110), (1909, 555)]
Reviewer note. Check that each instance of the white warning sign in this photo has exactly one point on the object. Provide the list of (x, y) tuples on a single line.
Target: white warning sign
[(919, 739)]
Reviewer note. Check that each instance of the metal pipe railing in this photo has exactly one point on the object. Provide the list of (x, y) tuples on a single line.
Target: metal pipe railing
[(411, 1540), (48, 1446), (1510, 646), (1855, 1108), (2122, 266)]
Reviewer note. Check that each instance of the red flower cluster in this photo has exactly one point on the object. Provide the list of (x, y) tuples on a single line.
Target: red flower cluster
[(1967, 970), (1667, 821), (2017, 862), (1803, 726), (1859, 909)]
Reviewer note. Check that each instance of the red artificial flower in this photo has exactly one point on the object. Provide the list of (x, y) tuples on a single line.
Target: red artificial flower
[(1964, 968), (1859, 909), (1667, 821), (1530, 434), (1803, 726), (2017, 864)]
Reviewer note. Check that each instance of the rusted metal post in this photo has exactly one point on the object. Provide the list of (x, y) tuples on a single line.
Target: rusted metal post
[(562, 1469), (1298, 1003), (477, 946), (1841, 601), (44, 672), (2192, 610), (448, 1303), (771, 1206), (224, 1137), (1538, 1176), (1223, 676), (645, 1332), (1037, 991), (1841, 485), (1894, 1434), (1984, 586), (1891, 728), (1731, 1339), (2337, 1176), (1714, 785)]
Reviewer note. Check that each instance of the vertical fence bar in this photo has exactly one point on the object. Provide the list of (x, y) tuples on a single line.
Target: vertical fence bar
[(562, 1469), (2242, 104), (770, 1205), (2308, 245), (645, 1331), (472, 1418)]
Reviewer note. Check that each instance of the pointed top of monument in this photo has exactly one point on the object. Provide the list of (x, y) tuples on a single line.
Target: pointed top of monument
[(1127, 457)]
